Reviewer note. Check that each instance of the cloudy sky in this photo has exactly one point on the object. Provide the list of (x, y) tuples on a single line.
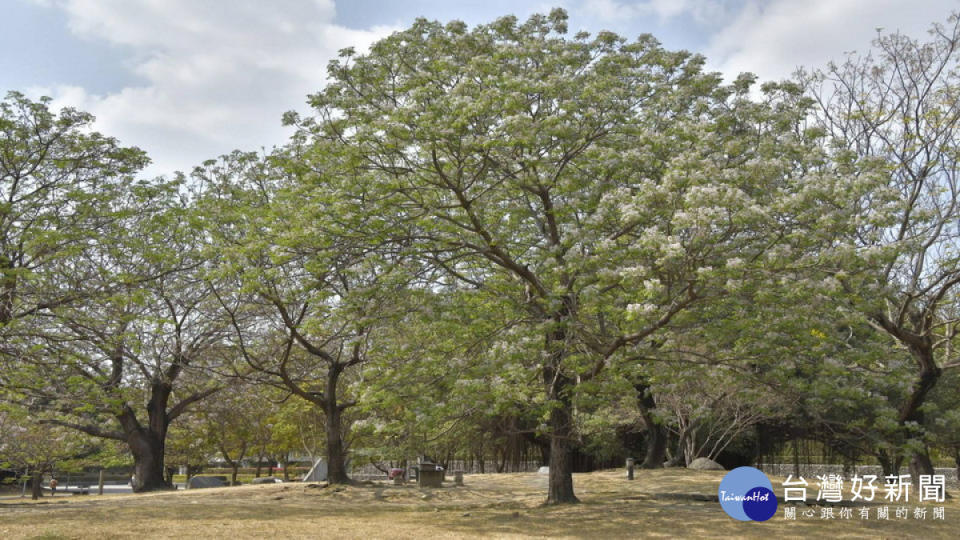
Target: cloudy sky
[(188, 80)]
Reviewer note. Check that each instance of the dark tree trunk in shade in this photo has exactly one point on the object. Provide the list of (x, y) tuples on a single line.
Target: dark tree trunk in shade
[(922, 349), (147, 442), (36, 485), (655, 439), (560, 487), (336, 452), (656, 448), (911, 412), (920, 464), (148, 449), (559, 388)]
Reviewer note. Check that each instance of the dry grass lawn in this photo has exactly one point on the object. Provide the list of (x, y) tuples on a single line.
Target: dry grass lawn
[(657, 504)]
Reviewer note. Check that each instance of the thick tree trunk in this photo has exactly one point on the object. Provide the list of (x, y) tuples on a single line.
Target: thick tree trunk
[(911, 411), (655, 439), (148, 443), (920, 463), (36, 485), (560, 486), (656, 448), (148, 450), (559, 388), (562, 435), (336, 453), (921, 346)]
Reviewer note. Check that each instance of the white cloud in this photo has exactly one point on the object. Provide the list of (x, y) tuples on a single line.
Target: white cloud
[(702, 11), (773, 37), (217, 75)]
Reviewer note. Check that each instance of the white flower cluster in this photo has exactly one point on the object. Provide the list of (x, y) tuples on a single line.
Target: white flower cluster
[(641, 309)]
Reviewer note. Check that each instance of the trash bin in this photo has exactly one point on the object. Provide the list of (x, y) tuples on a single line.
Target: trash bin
[(429, 475)]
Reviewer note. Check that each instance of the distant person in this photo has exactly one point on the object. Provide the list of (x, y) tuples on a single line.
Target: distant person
[(53, 486)]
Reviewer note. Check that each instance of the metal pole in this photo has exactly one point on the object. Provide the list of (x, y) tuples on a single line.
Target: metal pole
[(100, 483)]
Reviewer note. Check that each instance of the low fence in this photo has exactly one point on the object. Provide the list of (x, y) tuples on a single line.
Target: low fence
[(88, 478), (371, 472)]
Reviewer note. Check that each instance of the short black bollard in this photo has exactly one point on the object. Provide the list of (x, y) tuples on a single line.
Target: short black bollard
[(630, 468)]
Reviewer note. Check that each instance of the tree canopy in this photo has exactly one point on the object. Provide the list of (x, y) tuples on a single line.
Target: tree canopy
[(504, 241)]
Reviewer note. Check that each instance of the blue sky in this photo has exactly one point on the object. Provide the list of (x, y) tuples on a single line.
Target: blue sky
[(188, 80)]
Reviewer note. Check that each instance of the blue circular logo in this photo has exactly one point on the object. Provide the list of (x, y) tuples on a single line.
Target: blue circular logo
[(746, 494)]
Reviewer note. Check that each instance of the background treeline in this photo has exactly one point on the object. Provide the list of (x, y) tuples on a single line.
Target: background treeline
[(501, 244)]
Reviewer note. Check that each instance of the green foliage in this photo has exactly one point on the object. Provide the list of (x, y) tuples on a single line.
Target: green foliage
[(485, 240), (588, 194)]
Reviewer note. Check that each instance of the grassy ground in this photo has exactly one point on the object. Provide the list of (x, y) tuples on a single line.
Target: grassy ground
[(658, 504), (241, 478)]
